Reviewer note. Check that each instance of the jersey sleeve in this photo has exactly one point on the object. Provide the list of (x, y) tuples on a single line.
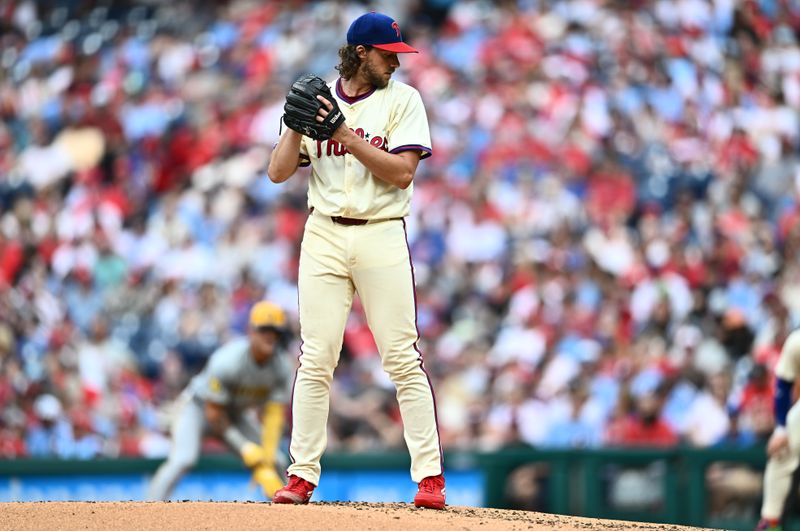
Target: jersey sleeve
[(789, 361), (408, 129), (217, 385)]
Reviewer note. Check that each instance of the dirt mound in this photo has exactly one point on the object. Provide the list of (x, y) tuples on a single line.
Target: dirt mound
[(218, 516)]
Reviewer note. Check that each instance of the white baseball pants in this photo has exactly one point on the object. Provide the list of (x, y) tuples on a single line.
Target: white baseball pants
[(779, 471), (373, 260)]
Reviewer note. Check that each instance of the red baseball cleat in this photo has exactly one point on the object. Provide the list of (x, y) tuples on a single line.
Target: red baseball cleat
[(768, 525), (298, 491), (431, 493)]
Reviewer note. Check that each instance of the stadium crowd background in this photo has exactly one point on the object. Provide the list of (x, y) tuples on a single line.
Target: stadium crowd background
[(606, 240)]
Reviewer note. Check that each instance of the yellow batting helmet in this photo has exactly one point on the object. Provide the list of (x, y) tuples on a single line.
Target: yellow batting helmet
[(265, 314)]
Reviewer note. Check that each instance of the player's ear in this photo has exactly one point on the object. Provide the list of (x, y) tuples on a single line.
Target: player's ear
[(361, 51)]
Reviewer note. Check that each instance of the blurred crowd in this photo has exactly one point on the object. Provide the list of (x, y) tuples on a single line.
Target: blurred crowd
[(606, 239)]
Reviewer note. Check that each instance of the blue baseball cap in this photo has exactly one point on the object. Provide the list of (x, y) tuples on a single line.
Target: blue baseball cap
[(379, 31)]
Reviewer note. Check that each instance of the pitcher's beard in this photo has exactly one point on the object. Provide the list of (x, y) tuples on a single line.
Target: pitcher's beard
[(378, 79)]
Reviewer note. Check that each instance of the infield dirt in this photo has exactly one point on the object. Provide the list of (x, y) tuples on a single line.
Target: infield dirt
[(219, 516)]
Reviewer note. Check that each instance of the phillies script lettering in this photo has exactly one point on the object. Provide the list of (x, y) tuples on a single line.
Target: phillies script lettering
[(335, 149)]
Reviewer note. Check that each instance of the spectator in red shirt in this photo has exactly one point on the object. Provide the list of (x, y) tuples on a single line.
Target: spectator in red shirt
[(644, 426), (755, 406)]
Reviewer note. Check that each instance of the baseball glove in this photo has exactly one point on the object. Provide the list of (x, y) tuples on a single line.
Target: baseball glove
[(302, 107)]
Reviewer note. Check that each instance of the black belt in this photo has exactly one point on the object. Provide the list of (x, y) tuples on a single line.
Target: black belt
[(341, 220)]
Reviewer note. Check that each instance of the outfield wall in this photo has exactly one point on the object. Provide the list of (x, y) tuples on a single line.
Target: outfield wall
[(670, 486)]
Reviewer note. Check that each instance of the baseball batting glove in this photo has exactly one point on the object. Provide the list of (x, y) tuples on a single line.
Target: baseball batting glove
[(252, 454), (302, 107)]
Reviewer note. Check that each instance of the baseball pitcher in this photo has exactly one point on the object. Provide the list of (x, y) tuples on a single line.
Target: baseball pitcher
[(243, 375), (783, 448), (363, 136)]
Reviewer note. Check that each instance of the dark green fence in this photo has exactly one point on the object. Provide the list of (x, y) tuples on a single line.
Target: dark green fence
[(576, 482), (579, 482)]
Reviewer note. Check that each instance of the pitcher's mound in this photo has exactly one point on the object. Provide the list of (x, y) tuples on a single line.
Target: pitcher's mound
[(218, 516)]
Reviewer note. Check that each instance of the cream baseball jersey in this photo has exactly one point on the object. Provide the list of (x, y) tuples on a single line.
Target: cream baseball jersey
[(788, 367), (393, 119)]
